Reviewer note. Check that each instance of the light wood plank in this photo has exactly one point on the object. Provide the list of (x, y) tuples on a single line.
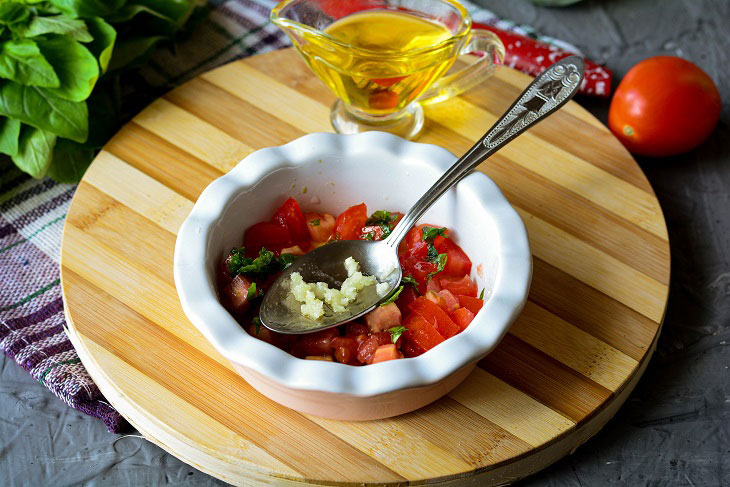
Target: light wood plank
[(510, 408), (271, 96), (573, 347), (139, 192), (192, 134), (596, 268)]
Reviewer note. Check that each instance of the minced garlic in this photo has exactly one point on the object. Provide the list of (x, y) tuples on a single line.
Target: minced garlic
[(314, 296)]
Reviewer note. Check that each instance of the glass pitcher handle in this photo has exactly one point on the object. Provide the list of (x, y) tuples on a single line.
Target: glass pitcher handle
[(469, 76)]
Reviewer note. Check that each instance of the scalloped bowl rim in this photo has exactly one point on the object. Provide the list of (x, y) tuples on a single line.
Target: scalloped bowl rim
[(202, 307)]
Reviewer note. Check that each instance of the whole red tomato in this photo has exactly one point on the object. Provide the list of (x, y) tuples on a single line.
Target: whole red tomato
[(665, 105)]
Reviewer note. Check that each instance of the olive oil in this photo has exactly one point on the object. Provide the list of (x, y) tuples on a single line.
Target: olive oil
[(380, 60)]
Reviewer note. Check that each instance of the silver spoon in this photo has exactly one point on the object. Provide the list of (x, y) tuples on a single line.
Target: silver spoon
[(280, 312)]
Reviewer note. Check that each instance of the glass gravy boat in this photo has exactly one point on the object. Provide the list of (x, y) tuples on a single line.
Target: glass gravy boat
[(384, 58)]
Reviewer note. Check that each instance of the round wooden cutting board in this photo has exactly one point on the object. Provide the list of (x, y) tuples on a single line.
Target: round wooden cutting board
[(601, 274)]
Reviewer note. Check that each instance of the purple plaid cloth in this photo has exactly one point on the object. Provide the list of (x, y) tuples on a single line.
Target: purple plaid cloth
[(32, 212)]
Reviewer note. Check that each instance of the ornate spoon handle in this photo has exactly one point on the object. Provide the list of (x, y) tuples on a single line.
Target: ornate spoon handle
[(548, 92)]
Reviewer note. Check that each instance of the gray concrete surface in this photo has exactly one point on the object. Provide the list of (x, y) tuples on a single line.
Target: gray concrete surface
[(674, 429)]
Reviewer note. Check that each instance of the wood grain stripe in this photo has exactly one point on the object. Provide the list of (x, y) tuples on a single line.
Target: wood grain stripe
[(238, 118), (193, 135), (224, 448), (139, 192), (544, 378), (510, 408), (271, 96), (229, 400), (168, 164), (599, 315), (573, 347), (596, 268)]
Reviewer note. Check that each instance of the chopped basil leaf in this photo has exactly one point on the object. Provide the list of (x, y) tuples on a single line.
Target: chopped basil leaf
[(481, 294), (314, 223), (430, 233), (368, 236), (387, 229), (393, 296), (380, 217), (410, 280), (251, 292), (442, 258), (396, 332), (285, 260), (257, 324), (265, 263), (433, 254)]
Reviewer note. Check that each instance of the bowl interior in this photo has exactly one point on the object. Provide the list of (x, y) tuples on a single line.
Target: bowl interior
[(384, 180)]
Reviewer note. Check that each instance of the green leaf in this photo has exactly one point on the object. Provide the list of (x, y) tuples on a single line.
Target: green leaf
[(129, 11), (442, 258), (130, 52), (285, 260), (380, 217), (251, 294), (58, 24), (22, 61), (396, 332), (431, 233), (314, 223), (433, 254), (87, 8), (35, 151), (257, 324), (394, 295), (178, 10), (481, 294), (44, 110), (76, 67), (13, 13), (70, 161), (9, 134), (410, 280), (104, 38)]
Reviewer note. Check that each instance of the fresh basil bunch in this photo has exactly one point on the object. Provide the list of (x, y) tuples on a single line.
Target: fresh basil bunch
[(59, 61)]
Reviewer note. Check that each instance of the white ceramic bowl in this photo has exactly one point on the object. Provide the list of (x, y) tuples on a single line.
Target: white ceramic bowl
[(328, 173)]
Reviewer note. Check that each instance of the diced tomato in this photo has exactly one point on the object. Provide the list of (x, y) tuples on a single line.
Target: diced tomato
[(436, 298), (457, 262), (263, 333), (470, 303), (318, 343), (266, 234), (410, 349), (421, 333), (406, 297), (384, 353), (462, 317), (452, 303), (354, 328), (383, 317), (320, 226), (296, 250), (418, 269), (464, 285), (433, 284), (415, 234), (435, 315), (386, 82), (291, 217), (237, 293), (366, 349), (383, 100), (344, 349), (349, 224)]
